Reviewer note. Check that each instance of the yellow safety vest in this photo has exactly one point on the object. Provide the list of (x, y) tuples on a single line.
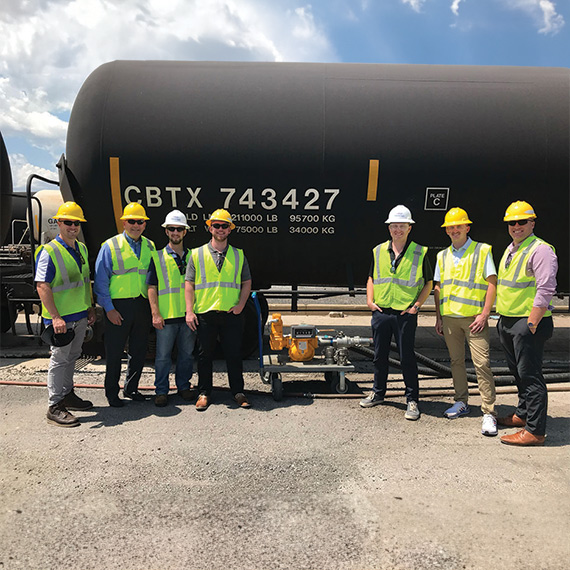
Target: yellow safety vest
[(399, 289), (217, 290), (515, 289), (71, 286), (128, 279), (463, 287), (171, 302)]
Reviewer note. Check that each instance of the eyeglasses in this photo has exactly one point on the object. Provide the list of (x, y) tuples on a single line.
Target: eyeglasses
[(173, 229), (519, 222), (139, 222), (71, 222), (221, 226)]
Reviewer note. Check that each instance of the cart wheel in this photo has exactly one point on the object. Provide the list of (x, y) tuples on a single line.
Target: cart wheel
[(276, 386), (333, 378)]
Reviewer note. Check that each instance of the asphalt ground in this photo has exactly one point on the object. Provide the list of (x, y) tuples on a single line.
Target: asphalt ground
[(306, 483)]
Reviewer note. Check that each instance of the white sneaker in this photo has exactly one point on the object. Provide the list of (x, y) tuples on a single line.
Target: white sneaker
[(489, 426), (412, 411)]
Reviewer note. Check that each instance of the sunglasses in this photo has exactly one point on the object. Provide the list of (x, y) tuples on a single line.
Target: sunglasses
[(519, 222), (71, 222), (173, 229), (139, 222), (221, 226)]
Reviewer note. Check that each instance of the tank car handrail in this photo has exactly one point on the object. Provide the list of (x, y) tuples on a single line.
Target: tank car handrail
[(29, 198)]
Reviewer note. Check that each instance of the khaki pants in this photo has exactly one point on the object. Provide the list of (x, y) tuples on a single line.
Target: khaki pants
[(456, 331)]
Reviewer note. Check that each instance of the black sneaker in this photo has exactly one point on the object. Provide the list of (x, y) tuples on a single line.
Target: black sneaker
[(135, 396), (59, 416), (73, 402)]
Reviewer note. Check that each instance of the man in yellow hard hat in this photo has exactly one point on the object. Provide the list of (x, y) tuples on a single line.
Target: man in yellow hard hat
[(63, 284), (218, 283), (526, 285), (121, 289), (465, 288)]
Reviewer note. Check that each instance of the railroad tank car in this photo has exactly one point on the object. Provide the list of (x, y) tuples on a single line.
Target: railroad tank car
[(309, 158), (6, 189)]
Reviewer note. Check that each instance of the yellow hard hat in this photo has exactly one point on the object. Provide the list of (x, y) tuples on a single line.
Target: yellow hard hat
[(70, 211), (519, 210), (221, 216), (456, 217), (134, 211)]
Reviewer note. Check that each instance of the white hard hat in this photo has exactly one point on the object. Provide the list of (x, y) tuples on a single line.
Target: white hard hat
[(175, 218), (400, 215)]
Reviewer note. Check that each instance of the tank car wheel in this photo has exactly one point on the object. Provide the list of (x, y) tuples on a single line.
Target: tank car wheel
[(276, 386)]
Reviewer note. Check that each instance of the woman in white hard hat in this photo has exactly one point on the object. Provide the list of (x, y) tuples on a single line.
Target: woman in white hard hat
[(399, 282)]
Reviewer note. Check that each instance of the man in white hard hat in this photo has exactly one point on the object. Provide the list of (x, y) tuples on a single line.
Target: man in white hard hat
[(218, 283), (527, 283), (399, 282), (165, 280), (465, 287), (121, 289), (63, 284)]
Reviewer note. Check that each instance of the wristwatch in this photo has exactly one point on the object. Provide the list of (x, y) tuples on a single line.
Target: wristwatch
[(531, 325)]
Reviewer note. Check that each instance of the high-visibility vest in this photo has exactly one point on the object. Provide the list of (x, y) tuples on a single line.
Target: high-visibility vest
[(463, 287), (170, 290), (217, 290), (128, 279), (71, 286), (515, 289), (398, 289)]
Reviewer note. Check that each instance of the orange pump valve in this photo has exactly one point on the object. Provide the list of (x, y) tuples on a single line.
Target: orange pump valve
[(276, 339)]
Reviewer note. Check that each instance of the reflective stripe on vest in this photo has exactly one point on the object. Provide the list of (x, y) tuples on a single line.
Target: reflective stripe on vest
[(398, 290), (463, 294), (217, 290), (171, 303), (128, 278), (515, 289), (71, 287)]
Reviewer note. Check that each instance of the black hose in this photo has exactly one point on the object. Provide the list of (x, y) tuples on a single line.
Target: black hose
[(445, 371)]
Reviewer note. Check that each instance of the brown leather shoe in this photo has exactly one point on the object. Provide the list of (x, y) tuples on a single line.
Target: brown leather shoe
[(523, 437), (73, 402), (59, 416), (202, 403), (242, 400), (511, 421)]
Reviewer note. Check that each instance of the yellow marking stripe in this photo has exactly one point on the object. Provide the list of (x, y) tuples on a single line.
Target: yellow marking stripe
[(116, 190), (373, 180)]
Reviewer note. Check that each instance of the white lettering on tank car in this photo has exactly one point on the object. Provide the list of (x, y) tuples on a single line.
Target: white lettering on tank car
[(194, 197)]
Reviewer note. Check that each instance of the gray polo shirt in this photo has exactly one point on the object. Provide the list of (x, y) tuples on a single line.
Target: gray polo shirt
[(218, 258)]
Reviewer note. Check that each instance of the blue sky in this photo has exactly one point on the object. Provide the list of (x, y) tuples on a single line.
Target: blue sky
[(49, 47)]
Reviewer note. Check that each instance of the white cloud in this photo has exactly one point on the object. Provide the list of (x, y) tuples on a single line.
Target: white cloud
[(21, 170), (542, 11), (416, 5), (49, 47), (455, 7)]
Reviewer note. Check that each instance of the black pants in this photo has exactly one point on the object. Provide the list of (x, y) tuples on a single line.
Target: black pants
[(523, 351), (135, 328), (229, 329), (390, 323)]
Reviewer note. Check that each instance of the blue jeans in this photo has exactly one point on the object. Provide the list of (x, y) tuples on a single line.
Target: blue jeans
[(184, 338)]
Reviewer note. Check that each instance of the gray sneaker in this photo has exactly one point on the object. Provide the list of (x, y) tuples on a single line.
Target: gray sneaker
[(373, 399), (412, 412)]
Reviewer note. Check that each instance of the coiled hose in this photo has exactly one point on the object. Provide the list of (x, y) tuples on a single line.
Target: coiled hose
[(551, 374)]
